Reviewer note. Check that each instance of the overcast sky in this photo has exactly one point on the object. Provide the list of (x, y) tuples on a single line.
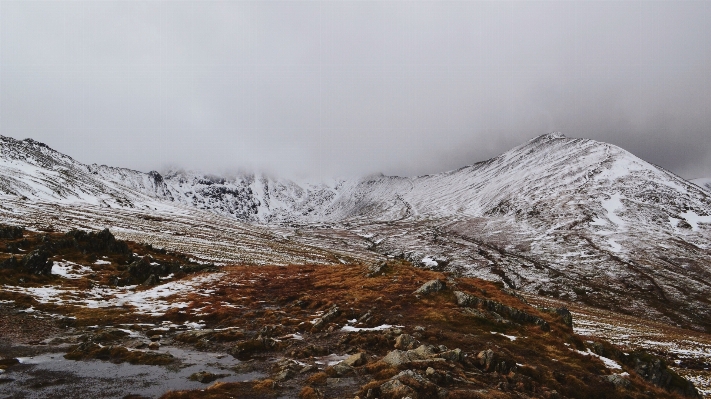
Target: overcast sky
[(327, 89)]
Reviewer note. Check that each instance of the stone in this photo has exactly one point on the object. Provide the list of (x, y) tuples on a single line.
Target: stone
[(377, 269), (152, 280), (356, 360), (153, 346), (431, 287), (396, 358), (406, 341), (394, 389), (455, 355), (342, 369), (36, 262), (618, 380), (205, 377), (284, 375)]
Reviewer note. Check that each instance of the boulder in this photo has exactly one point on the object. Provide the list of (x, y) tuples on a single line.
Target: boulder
[(431, 287), (36, 262), (394, 389), (618, 380), (491, 362), (327, 317), (205, 377), (406, 341), (519, 316), (356, 360), (11, 232)]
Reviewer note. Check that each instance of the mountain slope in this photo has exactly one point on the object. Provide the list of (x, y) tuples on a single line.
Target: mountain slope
[(570, 218)]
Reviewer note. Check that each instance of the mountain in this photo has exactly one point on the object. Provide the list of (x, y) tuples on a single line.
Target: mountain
[(574, 219), (704, 182)]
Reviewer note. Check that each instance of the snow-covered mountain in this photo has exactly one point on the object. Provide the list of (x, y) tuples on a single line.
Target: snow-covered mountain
[(704, 182), (570, 218)]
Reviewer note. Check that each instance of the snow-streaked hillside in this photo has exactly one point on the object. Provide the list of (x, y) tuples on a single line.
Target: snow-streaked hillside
[(571, 218), (703, 183)]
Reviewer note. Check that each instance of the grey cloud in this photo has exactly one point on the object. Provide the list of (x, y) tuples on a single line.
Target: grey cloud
[(325, 89)]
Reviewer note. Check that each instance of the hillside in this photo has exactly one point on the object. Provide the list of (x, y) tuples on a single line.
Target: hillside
[(77, 307)]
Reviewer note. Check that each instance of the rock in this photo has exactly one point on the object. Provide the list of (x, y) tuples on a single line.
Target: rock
[(152, 280), (356, 360), (519, 316), (406, 341), (491, 362), (339, 382), (566, 316), (205, 377), (36, 262), (342, 369), (154, 338), (327, 317), (310, 368), (618, 380), (396, 358), (431, 287), (284, 375), (11, 232), (153, 346), (654, 370), (455, 355), (377, 269), (10, 263), (394, 389), (423, 352)]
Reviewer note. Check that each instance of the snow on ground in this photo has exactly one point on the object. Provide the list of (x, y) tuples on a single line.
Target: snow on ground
[(153, 301), (70, 270), (609, 363), (693, 219), (356, 329), (511, 337)]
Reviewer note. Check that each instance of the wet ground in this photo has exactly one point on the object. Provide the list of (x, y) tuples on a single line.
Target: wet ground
[(50, 375)]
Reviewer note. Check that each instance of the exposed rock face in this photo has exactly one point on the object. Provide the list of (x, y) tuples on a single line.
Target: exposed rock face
[(406, 341), (491, 362), (430, 287), (36, 262), (518, 316), (655, 371), (11, 232), (327, 317)]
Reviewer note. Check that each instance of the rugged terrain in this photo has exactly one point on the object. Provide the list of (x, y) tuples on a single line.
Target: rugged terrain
[(562, 222), (76, 307), (566, 218)]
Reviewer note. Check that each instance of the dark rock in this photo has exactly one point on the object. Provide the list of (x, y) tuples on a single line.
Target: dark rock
[(36, 262), (327, 317), (491, 362), (519, 316), (10, 263), (654, 370), (206, 377), (394, 389), (152, 280), (11, 232), (430, 287)]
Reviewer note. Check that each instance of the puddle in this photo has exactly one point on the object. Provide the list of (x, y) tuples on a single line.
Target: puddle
[(51, 376)]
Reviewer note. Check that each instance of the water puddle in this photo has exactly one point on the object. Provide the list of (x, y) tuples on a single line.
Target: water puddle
[(51, 376)]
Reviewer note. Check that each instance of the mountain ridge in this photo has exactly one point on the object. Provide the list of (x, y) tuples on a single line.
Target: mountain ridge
[(568, 218)]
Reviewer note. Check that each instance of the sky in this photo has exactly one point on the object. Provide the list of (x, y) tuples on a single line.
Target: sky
[(324, 89)]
